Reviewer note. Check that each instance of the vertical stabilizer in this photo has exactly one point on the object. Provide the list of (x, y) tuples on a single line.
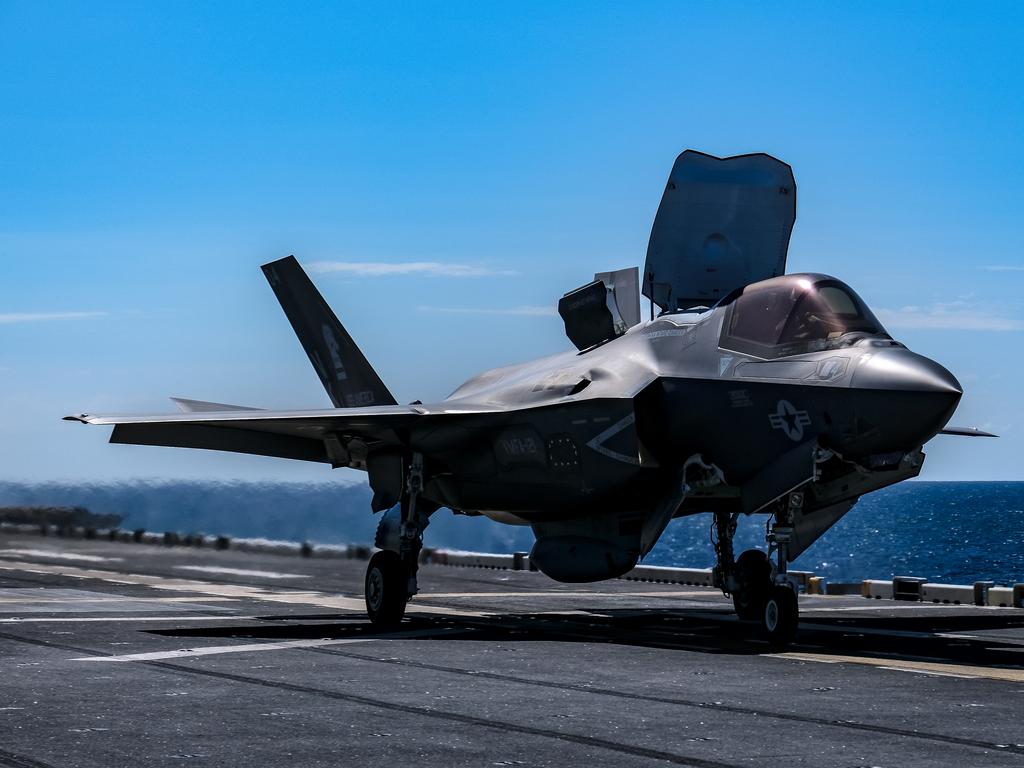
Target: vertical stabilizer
[(349, 379)]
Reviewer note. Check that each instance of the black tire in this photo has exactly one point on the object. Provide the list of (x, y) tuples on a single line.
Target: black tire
[(386, 589), (781, 614), (754, 572)]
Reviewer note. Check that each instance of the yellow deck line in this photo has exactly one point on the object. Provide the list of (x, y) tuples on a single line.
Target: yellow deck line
[(907, 665)]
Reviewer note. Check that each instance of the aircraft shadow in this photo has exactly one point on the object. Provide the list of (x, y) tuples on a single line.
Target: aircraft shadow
[(924, 638)]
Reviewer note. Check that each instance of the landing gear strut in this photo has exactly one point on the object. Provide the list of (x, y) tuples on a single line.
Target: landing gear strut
[(761, 591), (391, 573), (781, 610), (747, 578)]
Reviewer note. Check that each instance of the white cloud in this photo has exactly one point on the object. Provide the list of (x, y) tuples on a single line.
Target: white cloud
[(1005, 268), (525, 311), (387, 268), (954, 315), (34, 317)]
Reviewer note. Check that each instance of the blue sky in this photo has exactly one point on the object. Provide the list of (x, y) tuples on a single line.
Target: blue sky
[(491, 157)]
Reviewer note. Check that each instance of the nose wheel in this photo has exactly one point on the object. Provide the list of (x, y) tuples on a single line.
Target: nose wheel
[(781, 610), (780, 615), (753, 582)]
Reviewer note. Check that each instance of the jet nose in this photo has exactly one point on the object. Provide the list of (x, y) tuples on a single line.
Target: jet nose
[(903, 370), (905, 397)]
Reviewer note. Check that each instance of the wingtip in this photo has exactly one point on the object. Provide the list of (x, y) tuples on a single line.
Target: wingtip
[(79, 417)]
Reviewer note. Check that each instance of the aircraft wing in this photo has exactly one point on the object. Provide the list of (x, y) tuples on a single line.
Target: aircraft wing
[(312, 435)]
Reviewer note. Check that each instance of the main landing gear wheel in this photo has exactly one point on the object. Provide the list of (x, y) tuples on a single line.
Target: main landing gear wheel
[(754, 572), (780, 615), (386, 589)]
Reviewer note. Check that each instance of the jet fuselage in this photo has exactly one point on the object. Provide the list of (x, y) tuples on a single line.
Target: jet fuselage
[(609, 428)]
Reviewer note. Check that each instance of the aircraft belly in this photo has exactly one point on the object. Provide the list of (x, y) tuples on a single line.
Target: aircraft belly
[(599, 483)]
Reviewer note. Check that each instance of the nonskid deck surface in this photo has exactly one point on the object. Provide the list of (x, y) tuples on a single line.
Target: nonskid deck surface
[(121, 655)]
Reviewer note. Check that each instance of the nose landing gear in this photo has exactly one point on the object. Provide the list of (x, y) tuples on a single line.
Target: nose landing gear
[(781, 609), (781, 614), (760, 590), (753, 580)]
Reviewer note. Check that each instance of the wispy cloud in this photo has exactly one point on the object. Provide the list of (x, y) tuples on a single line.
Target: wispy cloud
[(954, 315), (1004, 268), (387, 268), (35, 317), (526, 311)]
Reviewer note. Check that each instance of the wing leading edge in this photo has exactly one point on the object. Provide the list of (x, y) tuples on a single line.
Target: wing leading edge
[(333, 436)]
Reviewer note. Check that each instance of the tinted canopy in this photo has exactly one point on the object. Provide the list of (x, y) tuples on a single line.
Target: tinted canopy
[(794, 314)]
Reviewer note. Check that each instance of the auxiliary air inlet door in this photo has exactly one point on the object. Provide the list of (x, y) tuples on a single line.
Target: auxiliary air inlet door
[(603, 309), (722, 224)]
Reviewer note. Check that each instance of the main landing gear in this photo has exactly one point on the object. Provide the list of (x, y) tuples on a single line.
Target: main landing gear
[(761, 590), (386, 592), (391, 574)]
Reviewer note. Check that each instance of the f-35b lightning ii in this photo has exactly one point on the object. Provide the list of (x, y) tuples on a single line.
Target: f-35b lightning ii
[(749, 391)]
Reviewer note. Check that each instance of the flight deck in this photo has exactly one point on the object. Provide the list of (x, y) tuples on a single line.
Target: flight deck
[(117, 654)]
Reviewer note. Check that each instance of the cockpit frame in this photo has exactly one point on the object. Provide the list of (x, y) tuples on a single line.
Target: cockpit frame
[(793, 315)]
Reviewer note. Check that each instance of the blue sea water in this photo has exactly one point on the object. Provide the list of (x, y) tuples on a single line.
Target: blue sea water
[(957, 532), (950, 531)]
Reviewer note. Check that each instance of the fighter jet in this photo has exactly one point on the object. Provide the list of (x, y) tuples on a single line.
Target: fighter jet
[(746, 391)]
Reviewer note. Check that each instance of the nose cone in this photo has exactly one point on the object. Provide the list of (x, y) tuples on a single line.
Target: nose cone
[(905, 397), (903, 370)]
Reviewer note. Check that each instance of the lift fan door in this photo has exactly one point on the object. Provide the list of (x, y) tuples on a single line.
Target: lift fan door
[(722, 224)]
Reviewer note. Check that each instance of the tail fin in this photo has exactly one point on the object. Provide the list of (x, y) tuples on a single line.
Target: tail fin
[(346, 375)]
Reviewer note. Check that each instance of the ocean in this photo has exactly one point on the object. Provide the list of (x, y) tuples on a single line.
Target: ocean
[(957, 532)]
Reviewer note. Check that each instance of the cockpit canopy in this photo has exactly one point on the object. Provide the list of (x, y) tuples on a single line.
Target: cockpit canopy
[(794, 314)]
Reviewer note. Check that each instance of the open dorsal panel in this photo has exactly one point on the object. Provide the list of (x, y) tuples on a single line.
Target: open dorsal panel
[(722, 224), (603, 309)]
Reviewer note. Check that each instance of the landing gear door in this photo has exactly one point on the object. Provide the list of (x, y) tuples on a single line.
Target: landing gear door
[(809, 526), (722, 224)]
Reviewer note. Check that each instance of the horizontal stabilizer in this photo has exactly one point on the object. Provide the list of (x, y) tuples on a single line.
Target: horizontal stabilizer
[(202, 406), (966, 432)]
